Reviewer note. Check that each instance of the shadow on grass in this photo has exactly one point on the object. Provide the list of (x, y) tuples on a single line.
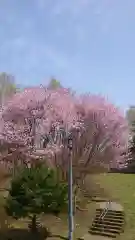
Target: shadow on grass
[(12, 234), (25, 234)]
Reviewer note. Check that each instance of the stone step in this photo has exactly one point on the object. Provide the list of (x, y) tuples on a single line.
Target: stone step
[(111, 225), (105, 234), (115, 214), (109, 210), (98, 199), (107, 226), (103, 229), (113, 206), (101, 225), (111, 219), (108, 223), (110, 216)]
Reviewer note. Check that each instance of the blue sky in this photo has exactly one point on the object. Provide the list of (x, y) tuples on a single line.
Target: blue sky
[(88, 45)]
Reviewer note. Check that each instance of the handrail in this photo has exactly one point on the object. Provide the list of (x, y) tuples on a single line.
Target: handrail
[(105, 210)]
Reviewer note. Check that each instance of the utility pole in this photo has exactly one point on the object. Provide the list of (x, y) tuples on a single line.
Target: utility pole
[(70, 189)]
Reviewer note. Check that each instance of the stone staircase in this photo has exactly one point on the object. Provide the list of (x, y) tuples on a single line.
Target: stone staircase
[(111, 225)]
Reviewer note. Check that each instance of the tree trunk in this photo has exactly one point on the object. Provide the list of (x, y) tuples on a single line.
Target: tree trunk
[(34, 224)]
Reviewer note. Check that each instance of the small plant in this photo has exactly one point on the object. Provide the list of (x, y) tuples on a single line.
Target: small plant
[(34, 191)]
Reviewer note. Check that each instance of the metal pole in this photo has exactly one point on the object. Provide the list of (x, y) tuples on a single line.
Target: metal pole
[(70, 191)]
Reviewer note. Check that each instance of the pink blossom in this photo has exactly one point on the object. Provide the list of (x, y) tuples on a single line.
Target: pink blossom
[(107, 128), (99, 129)]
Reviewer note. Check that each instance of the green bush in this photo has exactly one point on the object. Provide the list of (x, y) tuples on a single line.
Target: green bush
[(35, 191)]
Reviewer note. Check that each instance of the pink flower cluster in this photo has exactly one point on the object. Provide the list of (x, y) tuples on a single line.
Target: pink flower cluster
[(40, 119)]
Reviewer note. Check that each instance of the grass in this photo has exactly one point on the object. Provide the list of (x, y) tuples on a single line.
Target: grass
[(121, 187)]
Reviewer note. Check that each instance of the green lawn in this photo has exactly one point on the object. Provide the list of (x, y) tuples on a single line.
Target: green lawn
[(121, 187)]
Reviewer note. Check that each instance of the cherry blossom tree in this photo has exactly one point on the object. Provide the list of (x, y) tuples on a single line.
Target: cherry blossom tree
[(35, 124)]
